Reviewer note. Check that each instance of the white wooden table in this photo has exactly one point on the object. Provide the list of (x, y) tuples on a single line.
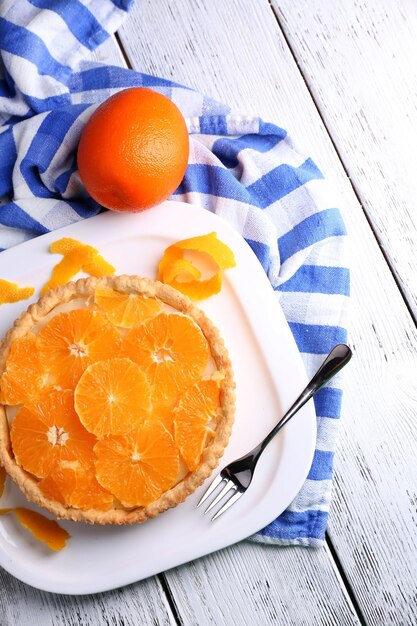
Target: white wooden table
[(341, 76)]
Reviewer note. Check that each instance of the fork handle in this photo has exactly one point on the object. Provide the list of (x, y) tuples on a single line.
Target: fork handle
[(241, 470), (338, 357)]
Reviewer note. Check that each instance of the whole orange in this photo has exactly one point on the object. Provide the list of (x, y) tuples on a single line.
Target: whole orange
[(133, 151)]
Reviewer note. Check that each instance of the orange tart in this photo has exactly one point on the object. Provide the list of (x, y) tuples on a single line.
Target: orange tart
[(116, 400)]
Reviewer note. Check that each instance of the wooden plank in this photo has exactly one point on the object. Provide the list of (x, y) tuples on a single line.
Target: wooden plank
[(236, 52), (358, 59), (371, 117), (257, 584), (109, 53), (144, 602)]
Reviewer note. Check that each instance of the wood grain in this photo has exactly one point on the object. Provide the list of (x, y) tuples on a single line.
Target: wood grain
[(250, 66), (257, 584), (142, 603), (109, 53), (358, 58)]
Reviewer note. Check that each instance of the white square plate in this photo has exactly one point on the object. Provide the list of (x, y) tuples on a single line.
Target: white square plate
[(269, 375)]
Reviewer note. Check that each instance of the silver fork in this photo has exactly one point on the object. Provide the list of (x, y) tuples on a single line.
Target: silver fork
[(238, 475)]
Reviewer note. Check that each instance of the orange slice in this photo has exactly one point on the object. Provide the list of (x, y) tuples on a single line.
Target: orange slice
[(137, 467), (192, 416), (76, 487), (112, 397), (72, 341), (48, 434), (77, 257), (11, 292), (43, 529), (172, 351), (181, 273), (24, 376), (126, 309)]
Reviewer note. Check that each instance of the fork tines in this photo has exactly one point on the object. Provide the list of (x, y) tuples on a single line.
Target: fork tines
[(228, 487)]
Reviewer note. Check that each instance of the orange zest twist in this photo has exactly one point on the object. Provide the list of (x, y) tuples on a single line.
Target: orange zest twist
[(43, 529), (77, 257), (11, 292), (180, 272)]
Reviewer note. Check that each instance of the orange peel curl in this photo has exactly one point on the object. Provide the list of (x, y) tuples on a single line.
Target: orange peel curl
[(180, 272), (11, 292), (77, 257), (43, 529)]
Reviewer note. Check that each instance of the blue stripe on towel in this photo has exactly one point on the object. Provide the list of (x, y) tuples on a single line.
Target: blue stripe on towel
[(40, 105), (45, 145), (8, 157), (281, 181), (213, 180), (311, 230), (12, 215), (6, 91), (124, 5), (327, 402), (213, 125), (315, 338), (330, 280), (227, 150), (262, 252), (26, 44), (292, 525), (322, 466), (61, 182), (117, 77)]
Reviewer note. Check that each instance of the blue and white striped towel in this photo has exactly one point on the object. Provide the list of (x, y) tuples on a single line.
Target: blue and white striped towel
[(240, 167)]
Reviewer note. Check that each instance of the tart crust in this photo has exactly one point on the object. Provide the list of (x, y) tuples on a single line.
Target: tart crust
[(84, 289)]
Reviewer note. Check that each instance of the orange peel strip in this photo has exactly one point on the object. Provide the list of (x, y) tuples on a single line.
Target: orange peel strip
[(64, 245), (11, 292), (43, 529), (175, 270), (170, 255), (200, 289), (219, 251), (2, 480), (77, 257), (181, 269), (98, 266), (68, 267)]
